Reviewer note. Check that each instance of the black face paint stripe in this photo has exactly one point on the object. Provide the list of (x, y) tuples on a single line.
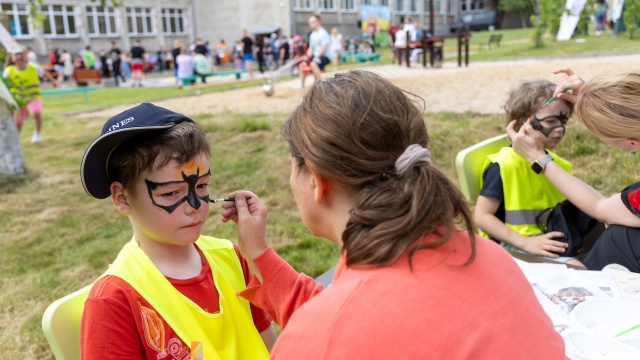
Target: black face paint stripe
[(192, 197)]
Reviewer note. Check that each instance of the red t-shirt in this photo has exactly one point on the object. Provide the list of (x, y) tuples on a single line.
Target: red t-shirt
[(118, 323)]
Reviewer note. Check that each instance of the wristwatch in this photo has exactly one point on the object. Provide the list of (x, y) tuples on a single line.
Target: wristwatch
[(539, 165)]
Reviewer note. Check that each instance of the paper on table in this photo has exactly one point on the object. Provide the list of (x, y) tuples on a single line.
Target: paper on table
[(628, 283), (603, 280), (567, 290)]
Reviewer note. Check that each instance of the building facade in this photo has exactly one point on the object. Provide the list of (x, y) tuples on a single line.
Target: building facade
[(74, 24)]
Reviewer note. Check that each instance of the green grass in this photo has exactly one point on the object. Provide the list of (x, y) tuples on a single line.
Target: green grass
[(516, 44)]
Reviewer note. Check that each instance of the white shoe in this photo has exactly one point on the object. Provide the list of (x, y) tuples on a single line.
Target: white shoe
[(298, 87), (36, 138)]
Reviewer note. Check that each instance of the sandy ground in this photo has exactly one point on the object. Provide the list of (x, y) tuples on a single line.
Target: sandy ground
[(481, 87)]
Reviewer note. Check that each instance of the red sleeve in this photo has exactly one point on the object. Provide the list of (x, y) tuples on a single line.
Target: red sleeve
[(631, 198), (108, 328), (260, 318), (283, 289)]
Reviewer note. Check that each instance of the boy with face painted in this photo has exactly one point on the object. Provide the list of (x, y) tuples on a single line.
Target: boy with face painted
[(170, 288), (517, 205)]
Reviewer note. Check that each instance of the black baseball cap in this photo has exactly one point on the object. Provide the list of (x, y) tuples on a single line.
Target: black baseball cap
[(140, 119)]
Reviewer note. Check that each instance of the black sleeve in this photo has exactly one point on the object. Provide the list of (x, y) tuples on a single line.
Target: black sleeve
[(492, 183), (631, 198)]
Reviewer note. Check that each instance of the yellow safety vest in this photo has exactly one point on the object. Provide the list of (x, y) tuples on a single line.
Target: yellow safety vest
[(229, 334), (23, 85), (526, 194)]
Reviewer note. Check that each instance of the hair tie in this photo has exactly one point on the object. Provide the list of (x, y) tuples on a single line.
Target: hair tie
[(412, 154)]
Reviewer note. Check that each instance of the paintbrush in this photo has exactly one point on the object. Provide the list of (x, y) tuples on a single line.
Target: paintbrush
[(554, 98), (228, 199)]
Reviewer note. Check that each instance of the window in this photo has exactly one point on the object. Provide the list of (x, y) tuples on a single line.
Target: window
[(60, 20), (366, 2), (347, 5), (302, 4), (437, 8), (471, 5), (384, 2), (173, 21), (400, 6), (326, 5), (413, 5), (18, 16), (101, 20), (140, 21), (449, 7)]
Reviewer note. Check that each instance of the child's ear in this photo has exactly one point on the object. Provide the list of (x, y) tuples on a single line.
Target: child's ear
[(119, 198)]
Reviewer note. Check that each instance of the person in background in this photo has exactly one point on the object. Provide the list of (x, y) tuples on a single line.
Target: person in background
[(88, 58), (185, 65), (68, 64), (222, 53), (201, 66), (24, 84), (319, 42), (247, 53), (115, 54), (138, 62), (177, 47), (284, 50), (337, 46), (391, 37)]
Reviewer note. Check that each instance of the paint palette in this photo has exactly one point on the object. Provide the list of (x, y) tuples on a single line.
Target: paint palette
[(582, 345), (608, 317)]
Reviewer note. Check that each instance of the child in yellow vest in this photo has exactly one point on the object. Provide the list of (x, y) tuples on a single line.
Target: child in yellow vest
[(24, 84), (517, 205), (171, 290)]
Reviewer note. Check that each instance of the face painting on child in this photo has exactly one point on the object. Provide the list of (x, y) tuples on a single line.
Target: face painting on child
[(171, 194), (549, 123)]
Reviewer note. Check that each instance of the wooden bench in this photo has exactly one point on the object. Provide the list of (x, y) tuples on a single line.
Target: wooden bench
[(84, 76), (75, 90), (362, 57), (493, 39), (186, 81)]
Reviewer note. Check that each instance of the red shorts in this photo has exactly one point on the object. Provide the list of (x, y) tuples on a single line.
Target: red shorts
[(137, 67)]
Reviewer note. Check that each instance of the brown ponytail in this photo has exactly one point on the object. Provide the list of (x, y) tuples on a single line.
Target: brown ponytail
[(352, 128)]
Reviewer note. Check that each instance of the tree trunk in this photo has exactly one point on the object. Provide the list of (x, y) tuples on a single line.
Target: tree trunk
[(523, 19), (11, 158)]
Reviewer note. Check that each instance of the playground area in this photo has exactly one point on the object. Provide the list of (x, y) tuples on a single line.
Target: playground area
[(480, 88), (58, 240)]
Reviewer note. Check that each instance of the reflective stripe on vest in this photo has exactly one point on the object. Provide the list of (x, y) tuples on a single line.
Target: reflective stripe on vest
[(228, 334), (23, 85), (526, 194)]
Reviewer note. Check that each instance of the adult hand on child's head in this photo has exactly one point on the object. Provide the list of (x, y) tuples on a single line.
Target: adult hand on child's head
[(527, 142), (250, 216), (573, 80), (545, 245)]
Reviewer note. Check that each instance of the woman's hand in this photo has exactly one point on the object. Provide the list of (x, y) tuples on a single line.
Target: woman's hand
[(250, 216), (573, 80), (527, 142)]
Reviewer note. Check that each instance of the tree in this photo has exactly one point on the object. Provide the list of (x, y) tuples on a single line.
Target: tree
[(631, 16), (524, 8)]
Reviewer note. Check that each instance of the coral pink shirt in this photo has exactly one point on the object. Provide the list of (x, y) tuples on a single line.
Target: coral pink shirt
[(440, 310)]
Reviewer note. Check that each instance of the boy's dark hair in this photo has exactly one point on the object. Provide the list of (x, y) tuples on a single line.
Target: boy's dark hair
[(182, 143), (527, 98)]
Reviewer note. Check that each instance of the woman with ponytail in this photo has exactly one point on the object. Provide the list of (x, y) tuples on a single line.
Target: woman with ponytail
[(411, 283)]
